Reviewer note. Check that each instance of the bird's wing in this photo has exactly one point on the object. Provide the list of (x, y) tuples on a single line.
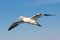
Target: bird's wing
[(36, 16), (15, 24), (39, 15)]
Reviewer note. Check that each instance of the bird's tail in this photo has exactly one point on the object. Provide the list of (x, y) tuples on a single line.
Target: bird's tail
[(38, 25)]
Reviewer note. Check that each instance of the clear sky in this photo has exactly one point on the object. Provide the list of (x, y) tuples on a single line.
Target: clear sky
[(10, 10)]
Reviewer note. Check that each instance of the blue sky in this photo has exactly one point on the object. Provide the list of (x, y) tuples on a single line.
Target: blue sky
[(10, 10)]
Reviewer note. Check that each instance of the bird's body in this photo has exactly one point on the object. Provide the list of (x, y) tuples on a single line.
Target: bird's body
[(31, 20)]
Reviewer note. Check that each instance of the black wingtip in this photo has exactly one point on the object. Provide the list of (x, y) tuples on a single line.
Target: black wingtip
[(49, 15), (9, 29), (13, 26)]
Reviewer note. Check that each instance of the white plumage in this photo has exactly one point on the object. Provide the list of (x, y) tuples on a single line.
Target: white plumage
[(31, 20)]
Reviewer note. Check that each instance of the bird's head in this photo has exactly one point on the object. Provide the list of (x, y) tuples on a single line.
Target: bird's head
[(22, 17)]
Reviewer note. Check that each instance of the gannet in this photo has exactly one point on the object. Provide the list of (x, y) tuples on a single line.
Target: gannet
[(32, 20)]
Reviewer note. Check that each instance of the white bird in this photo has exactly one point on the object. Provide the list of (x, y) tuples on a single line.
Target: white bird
[(32, 20)]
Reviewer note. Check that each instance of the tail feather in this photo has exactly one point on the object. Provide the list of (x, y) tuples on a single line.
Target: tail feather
[(39, 25)]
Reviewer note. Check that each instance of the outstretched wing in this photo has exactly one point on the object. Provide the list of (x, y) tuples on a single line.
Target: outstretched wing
[(15, 24), (39, 15), (36, 16)]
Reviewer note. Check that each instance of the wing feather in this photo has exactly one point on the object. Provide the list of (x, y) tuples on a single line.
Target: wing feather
[(36, 16), (14, 25), (39, 15)]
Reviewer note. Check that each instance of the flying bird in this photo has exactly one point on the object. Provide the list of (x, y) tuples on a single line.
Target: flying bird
[(32, 20)]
